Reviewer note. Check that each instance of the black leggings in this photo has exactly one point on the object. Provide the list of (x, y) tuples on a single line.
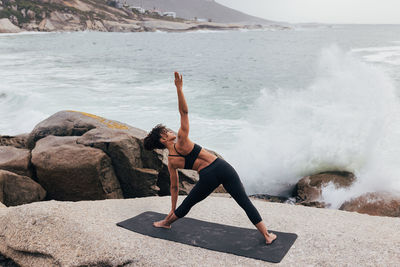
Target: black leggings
[(219, 171)]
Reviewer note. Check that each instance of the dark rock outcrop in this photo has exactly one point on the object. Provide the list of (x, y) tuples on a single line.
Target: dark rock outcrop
[(17, 189), (374, 203)]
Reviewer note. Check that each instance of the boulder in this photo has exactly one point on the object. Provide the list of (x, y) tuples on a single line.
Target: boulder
[(16, 160), (125, 148), (76, 123), (71, 171), (143, 183), (6, 26), (18, 141), (308, 189), (17, 189), (123, 144), (374, 203)]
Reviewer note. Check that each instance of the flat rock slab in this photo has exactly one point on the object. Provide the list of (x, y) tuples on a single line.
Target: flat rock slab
[(84, 233), (219, 237)]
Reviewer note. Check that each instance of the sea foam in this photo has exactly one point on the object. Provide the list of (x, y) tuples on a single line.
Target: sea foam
[(386, 54), (347, 119)]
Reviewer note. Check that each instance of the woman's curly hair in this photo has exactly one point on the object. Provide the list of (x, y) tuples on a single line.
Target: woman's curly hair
[(152, 140)]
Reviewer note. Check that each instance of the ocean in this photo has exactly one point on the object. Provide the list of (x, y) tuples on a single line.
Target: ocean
[(276, 104)]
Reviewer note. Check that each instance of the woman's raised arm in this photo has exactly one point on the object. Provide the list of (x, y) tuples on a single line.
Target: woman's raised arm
[(183, 132)]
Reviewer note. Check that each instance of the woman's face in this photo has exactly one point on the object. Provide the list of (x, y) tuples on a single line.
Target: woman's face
[(168, 136)]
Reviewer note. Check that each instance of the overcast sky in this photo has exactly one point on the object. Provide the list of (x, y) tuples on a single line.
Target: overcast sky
[(325, 11)]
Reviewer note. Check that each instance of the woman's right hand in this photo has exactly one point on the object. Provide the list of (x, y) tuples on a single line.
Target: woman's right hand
[(178, 80)]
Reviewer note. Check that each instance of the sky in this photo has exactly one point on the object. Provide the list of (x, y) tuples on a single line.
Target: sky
[(323, 11)]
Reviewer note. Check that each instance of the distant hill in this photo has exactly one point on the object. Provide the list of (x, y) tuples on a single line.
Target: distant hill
[(94, 15), (204, 9)]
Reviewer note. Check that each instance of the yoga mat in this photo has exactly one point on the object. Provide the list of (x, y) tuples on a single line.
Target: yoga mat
[(224, 238)]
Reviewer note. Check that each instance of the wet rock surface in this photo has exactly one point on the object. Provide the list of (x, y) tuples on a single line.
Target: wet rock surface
[(374, 203)]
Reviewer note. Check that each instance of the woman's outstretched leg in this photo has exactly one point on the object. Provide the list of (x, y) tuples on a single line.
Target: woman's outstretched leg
[(204, 187), (234, 186)]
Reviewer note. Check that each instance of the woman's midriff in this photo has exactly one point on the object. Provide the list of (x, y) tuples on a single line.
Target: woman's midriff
[(206, 157), (207, 165)]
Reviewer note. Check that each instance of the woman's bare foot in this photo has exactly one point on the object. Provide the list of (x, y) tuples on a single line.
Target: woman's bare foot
[(269, 238), (162, 224)]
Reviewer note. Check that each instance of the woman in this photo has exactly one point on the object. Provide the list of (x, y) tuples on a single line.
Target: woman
[(213, 171)]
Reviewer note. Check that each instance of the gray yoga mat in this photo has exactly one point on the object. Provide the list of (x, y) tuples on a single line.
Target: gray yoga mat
[(224, 238)]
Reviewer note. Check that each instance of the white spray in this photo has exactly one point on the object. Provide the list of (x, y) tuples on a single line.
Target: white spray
[(347, 119)]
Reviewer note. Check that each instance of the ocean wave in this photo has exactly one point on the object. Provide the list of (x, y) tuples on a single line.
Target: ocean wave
[(347, 119), (383, 54)]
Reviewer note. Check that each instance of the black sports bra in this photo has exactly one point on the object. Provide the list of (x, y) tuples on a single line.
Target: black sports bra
[(189, 158)]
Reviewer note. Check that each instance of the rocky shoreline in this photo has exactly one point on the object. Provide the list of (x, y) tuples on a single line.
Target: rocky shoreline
[(97, 15), (76, 161), (74, 156)]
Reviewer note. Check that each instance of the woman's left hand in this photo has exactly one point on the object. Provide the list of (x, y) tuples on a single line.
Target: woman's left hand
[(178, 80)]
